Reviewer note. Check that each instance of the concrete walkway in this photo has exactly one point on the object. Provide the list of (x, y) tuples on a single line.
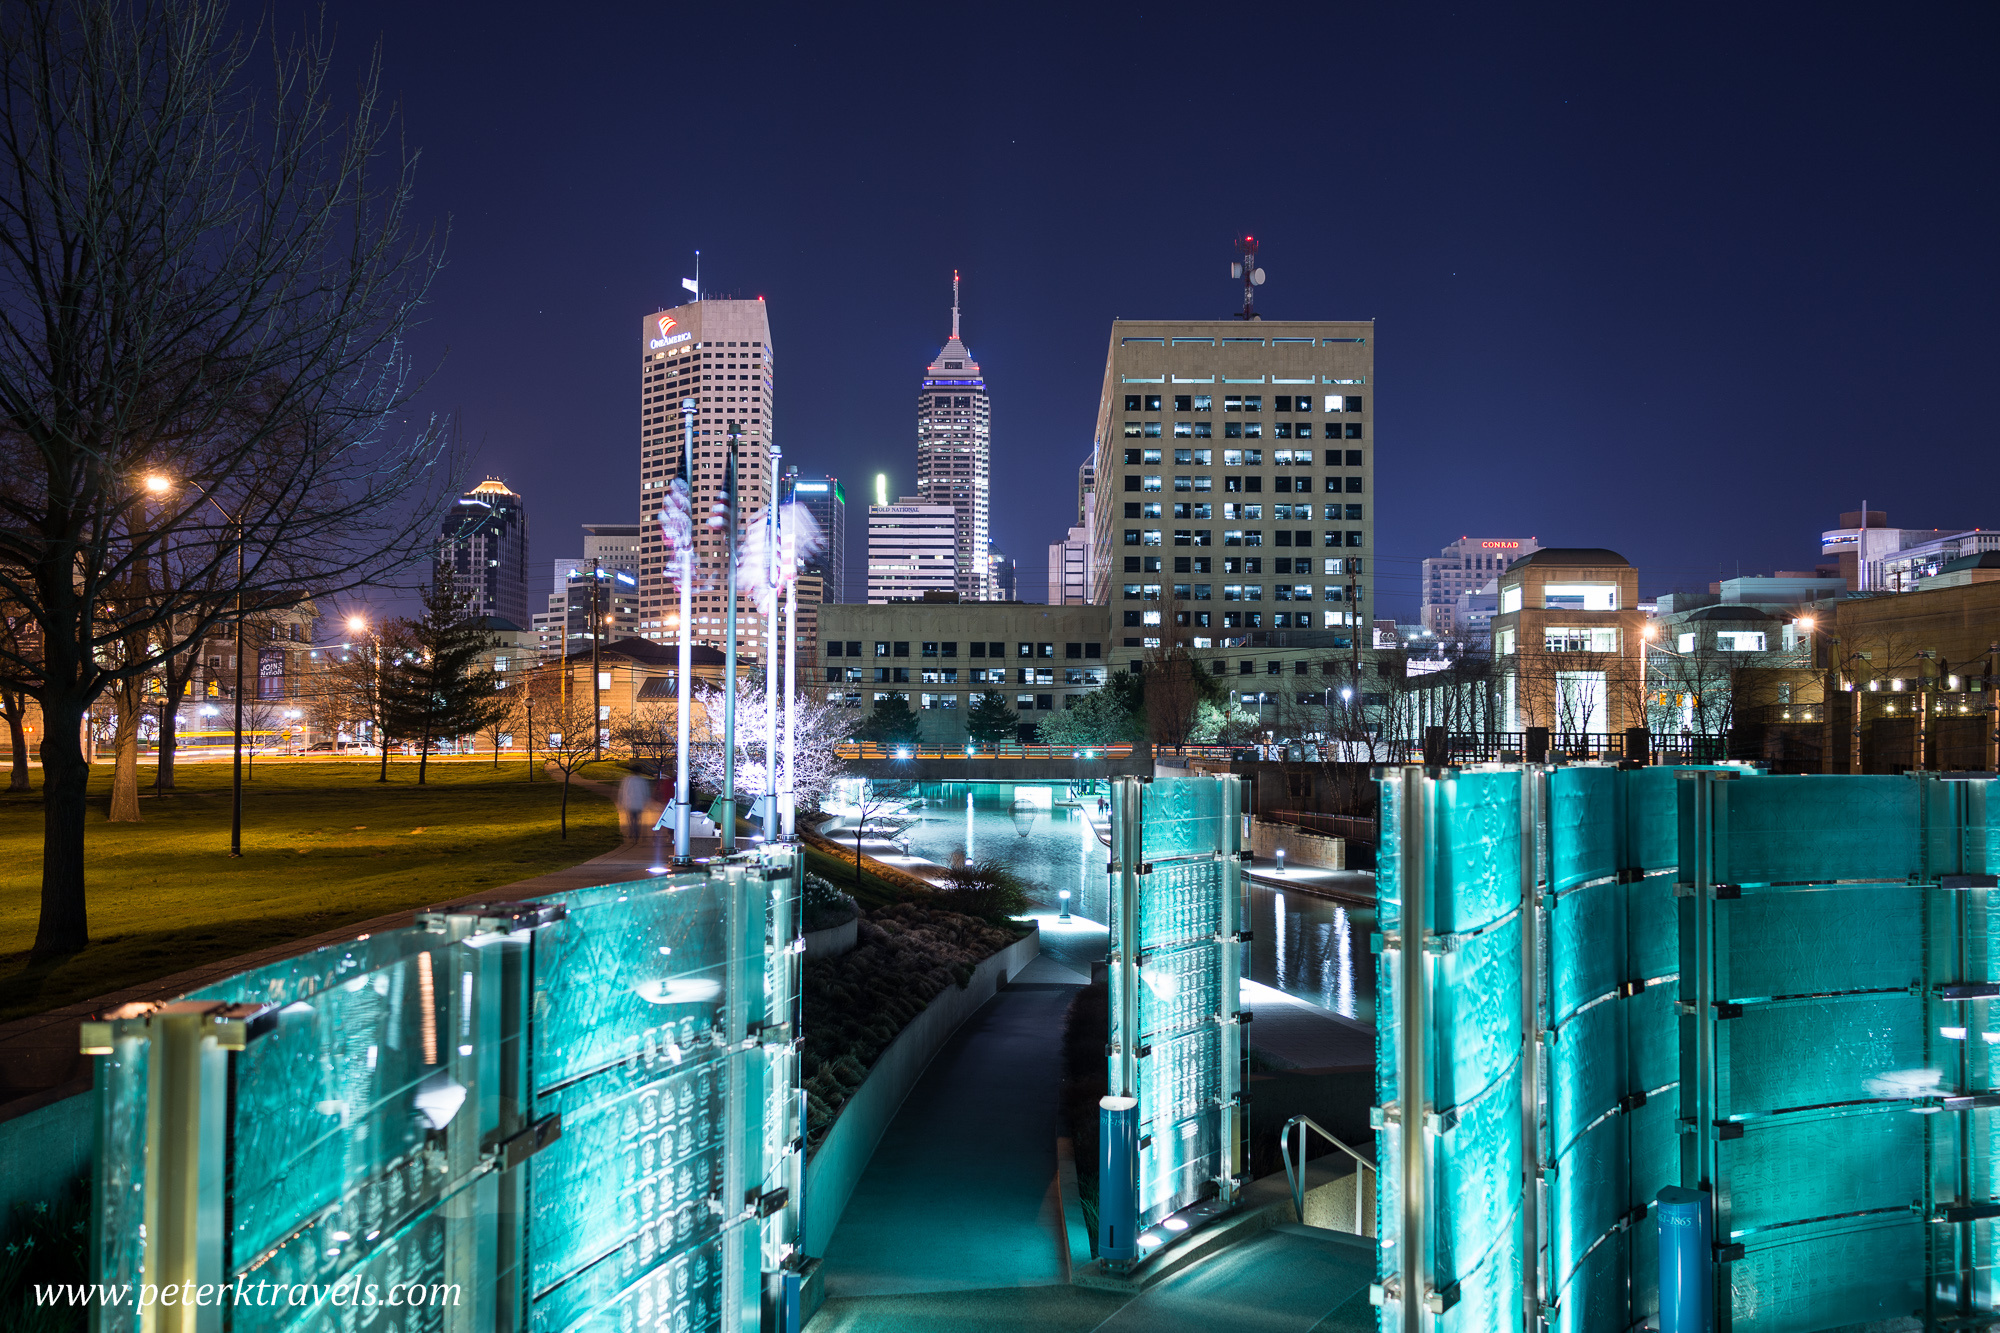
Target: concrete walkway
[(1290, 1279), (960, 1196)]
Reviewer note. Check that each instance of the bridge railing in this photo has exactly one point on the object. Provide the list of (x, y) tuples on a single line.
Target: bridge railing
[(876, 750)]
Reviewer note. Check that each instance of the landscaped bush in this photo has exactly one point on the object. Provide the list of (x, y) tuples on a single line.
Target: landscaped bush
[(856, 1004), (824, 906), (989, 890)]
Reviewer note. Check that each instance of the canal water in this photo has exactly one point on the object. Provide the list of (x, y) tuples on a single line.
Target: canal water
[(1310, 947)]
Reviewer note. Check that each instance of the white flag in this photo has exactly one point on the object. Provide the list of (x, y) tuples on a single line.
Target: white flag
[(689, 283)]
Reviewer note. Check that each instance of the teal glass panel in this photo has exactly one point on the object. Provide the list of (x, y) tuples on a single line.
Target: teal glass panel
[(1652, 816), (1653, 1042), (1815, 1052), (1792, 1168), (1588, 1199), (119, 1239), (1652, 927), (1583, 812), (1185, 986), (1477, 1002), (1795, 829), (1183, 818), (1478, 841), (1478, 1165), (329, 1121), (1586, 1070), (1801, 1279), (644, 1142), (1816, 941), (1489, 1293), (1586, 946), (1593, 1296), (625, 967)]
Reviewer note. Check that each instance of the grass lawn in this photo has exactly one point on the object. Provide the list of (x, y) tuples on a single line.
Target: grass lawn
[(324, 845)]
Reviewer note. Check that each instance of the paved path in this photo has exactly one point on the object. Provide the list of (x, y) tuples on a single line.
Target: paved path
[(960, 1196), (1290, 1279)]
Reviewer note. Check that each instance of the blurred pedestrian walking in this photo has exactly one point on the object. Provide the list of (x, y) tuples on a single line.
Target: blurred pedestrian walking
[(633, 794)]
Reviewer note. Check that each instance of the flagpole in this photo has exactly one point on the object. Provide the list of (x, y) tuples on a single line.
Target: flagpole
[(772, 532), (729, 663), (683, 849), (790, 799)]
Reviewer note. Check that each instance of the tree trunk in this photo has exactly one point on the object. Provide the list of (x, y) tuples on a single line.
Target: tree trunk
[(384, 738), (423, 756), (565, 805), (125, 765), (169, 737), (64, 928), (15, 708)]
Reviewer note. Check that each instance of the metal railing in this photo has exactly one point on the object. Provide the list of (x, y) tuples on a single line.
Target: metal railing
[(874, 750), (1354, 828), (1364, 1170)]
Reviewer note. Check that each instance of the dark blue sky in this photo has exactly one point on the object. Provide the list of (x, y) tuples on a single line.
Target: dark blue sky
[(1681, 281)]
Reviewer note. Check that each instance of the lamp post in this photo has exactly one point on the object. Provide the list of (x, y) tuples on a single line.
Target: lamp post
[(160, 485), (359, 625)]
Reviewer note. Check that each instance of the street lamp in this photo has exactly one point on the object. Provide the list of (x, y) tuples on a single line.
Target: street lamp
[(358, 625), (160, 485)]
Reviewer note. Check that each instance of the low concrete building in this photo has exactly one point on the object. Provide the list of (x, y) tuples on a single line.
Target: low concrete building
[(943, 655)]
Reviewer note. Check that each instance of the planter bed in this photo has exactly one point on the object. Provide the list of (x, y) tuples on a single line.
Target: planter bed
[(904, 956)]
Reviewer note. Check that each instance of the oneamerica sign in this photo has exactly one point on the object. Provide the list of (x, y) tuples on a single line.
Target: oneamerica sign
[(660, 333)]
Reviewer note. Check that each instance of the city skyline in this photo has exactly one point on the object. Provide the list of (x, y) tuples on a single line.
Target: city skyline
[(1598, 283)]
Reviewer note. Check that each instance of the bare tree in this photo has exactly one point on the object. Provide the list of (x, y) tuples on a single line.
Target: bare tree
[(568, 723), (820, 730), (649, 734), (206, 298)]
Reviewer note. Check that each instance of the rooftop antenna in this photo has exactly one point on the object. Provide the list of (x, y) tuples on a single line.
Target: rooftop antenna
[(1253, 277), (694, 284), (954, 305)]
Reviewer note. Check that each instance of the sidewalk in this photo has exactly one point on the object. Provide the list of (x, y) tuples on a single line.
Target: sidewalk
[(961, 1194)]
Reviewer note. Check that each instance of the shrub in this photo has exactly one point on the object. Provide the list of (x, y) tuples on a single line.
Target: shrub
[(822, 906), (989, 890), (856, 1005)]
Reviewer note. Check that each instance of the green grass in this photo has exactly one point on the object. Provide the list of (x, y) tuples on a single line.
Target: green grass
[(324, 845)]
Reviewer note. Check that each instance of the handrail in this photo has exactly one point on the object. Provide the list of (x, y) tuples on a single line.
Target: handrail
[(1297, 1178)]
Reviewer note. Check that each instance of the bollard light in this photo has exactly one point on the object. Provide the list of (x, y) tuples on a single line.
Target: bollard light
[(1064, 895), (1281, 860)]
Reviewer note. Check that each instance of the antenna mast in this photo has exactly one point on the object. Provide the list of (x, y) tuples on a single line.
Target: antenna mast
[(954, 303), (1253, 277)]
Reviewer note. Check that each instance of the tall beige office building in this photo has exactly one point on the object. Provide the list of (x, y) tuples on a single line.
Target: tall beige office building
[(955, 455), (1235, 483), (718, 353)]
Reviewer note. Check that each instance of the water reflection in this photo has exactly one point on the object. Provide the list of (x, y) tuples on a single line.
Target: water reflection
[(1306, 947), (1037, 827), (1310, 947)]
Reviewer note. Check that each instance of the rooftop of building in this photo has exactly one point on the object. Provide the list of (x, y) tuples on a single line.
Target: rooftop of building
[(1578, 556), (1981, 560)]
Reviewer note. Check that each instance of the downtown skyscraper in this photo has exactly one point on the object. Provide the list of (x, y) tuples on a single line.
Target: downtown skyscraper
[(955, 455), (719, 354)]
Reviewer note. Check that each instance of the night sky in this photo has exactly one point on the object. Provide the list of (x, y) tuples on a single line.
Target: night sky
[(1684, 282)]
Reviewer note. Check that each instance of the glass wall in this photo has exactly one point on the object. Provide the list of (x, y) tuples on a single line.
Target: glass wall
[(575, 1112), (1778, 990)]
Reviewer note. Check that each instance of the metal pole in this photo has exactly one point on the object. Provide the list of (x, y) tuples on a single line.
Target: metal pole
[(729, 640), (683, 852), (1532, 1276), (769, 800), (789, 796), (236, 779), (1415, 1249), (596, 701)]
